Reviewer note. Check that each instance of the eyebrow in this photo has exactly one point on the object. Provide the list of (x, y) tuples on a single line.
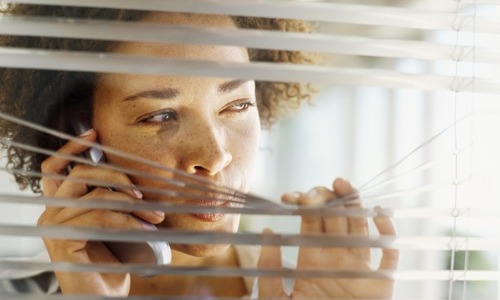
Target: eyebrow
[(164, 94), (170, 93), (230, 86)]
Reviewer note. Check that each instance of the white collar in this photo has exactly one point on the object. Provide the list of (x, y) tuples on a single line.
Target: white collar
[(42, 257)]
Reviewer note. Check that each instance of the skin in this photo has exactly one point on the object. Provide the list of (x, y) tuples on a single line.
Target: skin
[(207, 127), (357, 259)]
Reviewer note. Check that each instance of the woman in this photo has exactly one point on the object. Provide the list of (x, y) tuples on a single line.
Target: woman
[(208, 127)]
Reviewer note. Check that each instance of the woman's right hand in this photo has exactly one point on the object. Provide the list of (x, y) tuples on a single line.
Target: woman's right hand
[(85, 251)]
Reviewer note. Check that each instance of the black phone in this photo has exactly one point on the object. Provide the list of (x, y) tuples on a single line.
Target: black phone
[(154, 253)]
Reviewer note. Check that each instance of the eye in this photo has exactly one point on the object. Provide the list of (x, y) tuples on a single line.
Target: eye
[(240, 106), (159, 117)]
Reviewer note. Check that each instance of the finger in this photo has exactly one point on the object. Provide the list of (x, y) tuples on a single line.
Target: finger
[(66, 214), (345, 192), (342, 187), (270, 258), (291, 198), (77, 249), (58, 165), (390, 257), (337, 225), (104, 218), (58, 215), (150, 216), (316, 196), (357, 226), (77, 186)]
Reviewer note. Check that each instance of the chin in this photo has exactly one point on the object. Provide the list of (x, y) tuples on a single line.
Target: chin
[(206, 250), (227, 223)]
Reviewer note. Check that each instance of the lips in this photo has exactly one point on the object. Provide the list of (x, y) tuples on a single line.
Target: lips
[(211, 217)]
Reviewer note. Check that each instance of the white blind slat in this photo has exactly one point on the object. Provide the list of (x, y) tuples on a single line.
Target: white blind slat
[(396, 212), (441, 243), (400, 275), (312, 11), (336, 44), (114, 63)]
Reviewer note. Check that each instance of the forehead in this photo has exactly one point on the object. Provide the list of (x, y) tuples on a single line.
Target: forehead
[(175, 51), (189, 19), (186, 51)]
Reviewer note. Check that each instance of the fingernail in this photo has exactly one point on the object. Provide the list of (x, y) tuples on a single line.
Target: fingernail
[(313, 193), (148, 226), (267, 230), (378, 212), (137, 193), (290, 197), (87, 133), (159, 213)]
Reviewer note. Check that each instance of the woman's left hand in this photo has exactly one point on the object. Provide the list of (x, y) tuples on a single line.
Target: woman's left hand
[(315, 258)]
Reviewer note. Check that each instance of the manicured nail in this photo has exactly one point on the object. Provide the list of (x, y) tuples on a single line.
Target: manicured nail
[(137, 193), (87, 133), (290, 198), (159, 213), (293, 195), (378, 212), (148, 226), (313, 193), (267, 230)]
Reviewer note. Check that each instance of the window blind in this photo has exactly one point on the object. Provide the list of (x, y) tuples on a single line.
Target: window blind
[(408, 98)]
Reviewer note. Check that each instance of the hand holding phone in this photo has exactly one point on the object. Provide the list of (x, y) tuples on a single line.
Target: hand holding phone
[(153, 253)]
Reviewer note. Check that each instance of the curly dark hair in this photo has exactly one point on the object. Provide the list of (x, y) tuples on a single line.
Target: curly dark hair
[(42, 96)]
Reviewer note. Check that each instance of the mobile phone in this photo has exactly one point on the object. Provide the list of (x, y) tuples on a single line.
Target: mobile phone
[(154, 253)]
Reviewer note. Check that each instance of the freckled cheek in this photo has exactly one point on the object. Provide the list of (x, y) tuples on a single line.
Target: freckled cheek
[(150, 148)]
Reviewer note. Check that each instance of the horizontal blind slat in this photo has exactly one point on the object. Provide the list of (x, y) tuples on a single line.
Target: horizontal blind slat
[(180, 270), (114, 63), (192, 237), (394, 212), (260, 39), (328, 12), (400, 275), (455, 243)]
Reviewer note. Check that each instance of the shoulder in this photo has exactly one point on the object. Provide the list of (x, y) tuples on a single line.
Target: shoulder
[(41, 284), (19, 277)]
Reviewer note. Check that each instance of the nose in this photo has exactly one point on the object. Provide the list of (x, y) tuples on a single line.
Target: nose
[(207, 152)]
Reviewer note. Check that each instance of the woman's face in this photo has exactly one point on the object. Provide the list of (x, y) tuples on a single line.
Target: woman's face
[(204, 126)]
